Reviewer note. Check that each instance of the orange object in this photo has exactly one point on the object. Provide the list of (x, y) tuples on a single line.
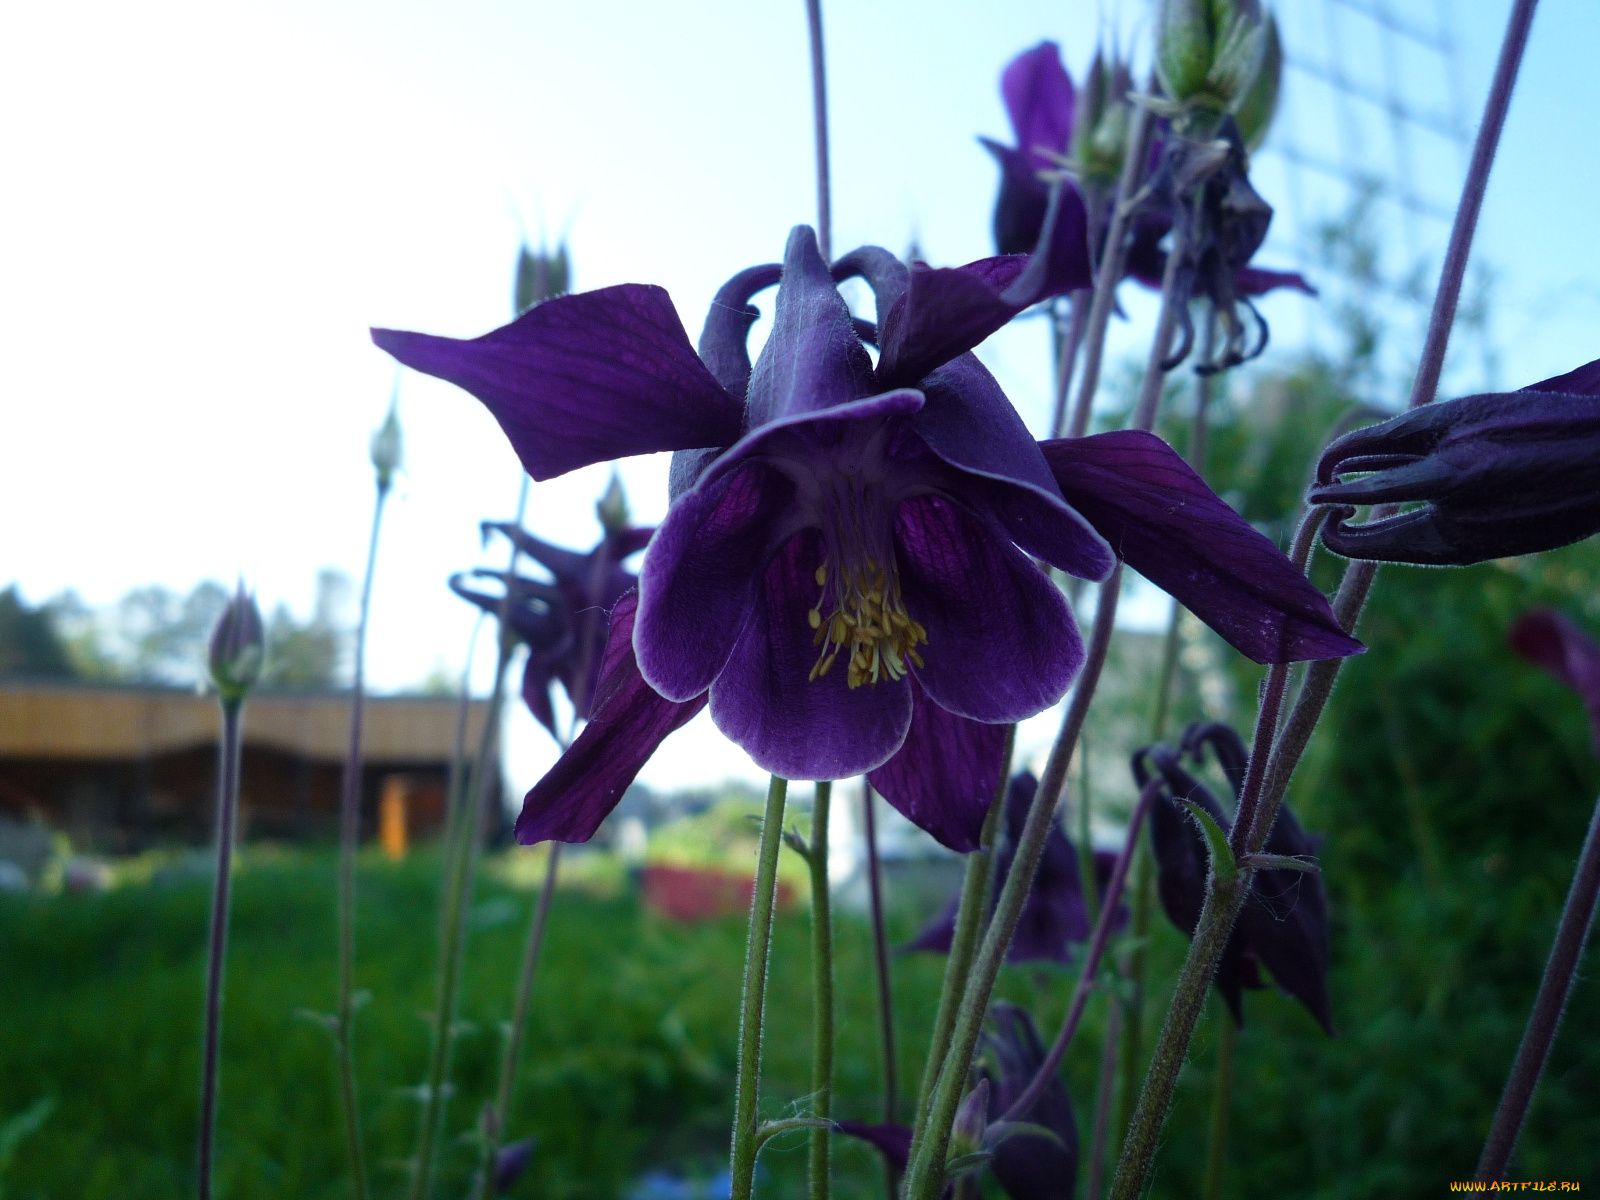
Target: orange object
[(392, 817), (699, 893)]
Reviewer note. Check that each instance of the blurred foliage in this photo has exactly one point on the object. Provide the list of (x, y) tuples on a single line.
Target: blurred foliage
[(29, 643)]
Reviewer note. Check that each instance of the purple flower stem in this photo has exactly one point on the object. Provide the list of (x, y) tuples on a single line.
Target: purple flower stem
[(1576, 918), (1221, 1104), (970, 915), (1225, 893), (221, 891), (880, 955), (349, 837), (1112, 259), (752, 1008), (1067, 353), (1021, 1106), (822, 990), (819, 117), (1106, 1083)]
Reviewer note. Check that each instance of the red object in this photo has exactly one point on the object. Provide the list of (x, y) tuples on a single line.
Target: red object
[(700, 894)]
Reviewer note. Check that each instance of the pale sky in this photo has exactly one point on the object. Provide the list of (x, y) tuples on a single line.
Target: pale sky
[(207, 204)]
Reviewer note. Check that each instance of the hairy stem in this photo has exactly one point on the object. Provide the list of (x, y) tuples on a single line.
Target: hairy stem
[(821, 992), (1067, 353), (819, 120), (753, 1006), (349, 836), (1087, 882), (1106, 1082), (1221, 1104), (970, 915), (221, 891), (1576, 917)]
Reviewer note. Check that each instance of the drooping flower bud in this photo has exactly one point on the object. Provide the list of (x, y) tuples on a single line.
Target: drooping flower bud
[(238, 645), (612, 508), (510, 1162), (1208, 53), (540, 277), (1556, 643), (1260, 103), (385, 446), (972, 1118)]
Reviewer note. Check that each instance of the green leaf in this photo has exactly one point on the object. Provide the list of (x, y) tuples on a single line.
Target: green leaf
[(1222, 864)]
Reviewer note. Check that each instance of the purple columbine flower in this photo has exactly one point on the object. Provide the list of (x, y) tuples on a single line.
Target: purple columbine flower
[(1283, 925), (1037, 1160), (564, 622), (510, 1162), (1055, 914), (1497, 475), (1553, 641), (847, 571)]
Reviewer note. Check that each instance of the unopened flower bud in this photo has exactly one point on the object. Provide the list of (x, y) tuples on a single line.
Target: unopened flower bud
[(612, 507), (238, 645), (1258, 105), (1100, 124), (1208, 51), (385, 447), (540, 277), (972, 1118)]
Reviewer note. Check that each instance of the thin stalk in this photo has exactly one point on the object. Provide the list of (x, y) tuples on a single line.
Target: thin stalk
[(1221, 1105), (1112, 260), (752, 1008), (1576, 917), (819, 121), (821, 992), (1087, 882), (1021, 1106), (1357, 582), (1131, 1047), (458, 752), (349, 836), (880, 955), (970, 914), (456, 910), (221, 891), (1105, 1084), (1067, 353)]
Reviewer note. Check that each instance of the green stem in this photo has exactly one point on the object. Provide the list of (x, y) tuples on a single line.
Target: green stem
[(975, 888), (821, 993), (746, 1093), (1087, 882), (1221, 1103), (456, 909), (349, 835), (1105, 1083), (880, 962), (227, 811)]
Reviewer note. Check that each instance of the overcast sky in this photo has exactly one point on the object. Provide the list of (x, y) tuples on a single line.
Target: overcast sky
[(207, 204)]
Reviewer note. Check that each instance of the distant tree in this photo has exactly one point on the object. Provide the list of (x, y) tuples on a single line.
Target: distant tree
[(29, 644), (305, 655)]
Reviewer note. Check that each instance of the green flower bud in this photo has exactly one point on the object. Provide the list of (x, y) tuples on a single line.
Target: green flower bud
[(1257, 106), (1100, 124), (1208, 52), (238, 645), (385, 446), (612, 507), (972, 1118), (540, 277)]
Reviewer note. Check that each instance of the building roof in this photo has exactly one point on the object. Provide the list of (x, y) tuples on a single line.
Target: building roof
[(44, 719)]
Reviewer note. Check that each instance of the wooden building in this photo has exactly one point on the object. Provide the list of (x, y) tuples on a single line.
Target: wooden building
[(120, 769)]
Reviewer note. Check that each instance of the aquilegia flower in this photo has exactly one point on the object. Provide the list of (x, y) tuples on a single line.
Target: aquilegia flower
[(1283, 925), (846, 573), (1497, 475), (1036, 1159), (1055, 915), (563, 623), (1553, 641)]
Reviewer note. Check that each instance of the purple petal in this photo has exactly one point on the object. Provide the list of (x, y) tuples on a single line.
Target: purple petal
[(1002, 643), (702, 576), (1179, 534), (1256, 281), (968, 422), (765, 701), (536, 678), (584, 379), (944, 776), (885, 274), (1554, 642), (813, 359), (725, 339), (939, 933), (1583, 381), (1022, 202), (629, 720), (1038, 96), (892, 1141), (510, 1162), (1284, 923)]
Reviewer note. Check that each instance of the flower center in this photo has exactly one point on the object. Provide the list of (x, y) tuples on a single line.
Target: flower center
[(860, 613)]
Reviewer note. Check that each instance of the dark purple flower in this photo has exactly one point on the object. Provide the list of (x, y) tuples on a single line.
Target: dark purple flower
[(1551, 639), (1055, 914), (1497, 475), (1283, 925), (1039, 100), (510, 1162), (563, 623)]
